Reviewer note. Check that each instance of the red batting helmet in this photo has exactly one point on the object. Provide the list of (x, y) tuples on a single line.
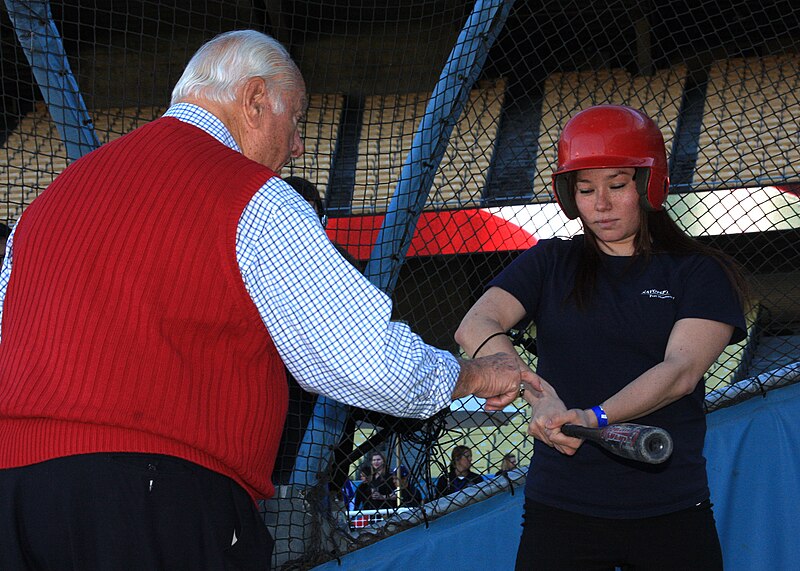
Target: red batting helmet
[(608, 136)]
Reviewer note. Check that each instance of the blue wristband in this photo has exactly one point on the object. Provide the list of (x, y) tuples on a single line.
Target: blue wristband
[(602, 417)]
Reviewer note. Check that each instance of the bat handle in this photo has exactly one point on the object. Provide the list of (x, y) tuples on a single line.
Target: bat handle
[(576, 431)]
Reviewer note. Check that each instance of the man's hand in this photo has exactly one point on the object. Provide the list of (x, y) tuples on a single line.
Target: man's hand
[(496, 378)]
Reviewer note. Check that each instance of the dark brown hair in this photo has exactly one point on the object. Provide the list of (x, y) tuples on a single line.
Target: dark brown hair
[(658, 233), (309, 191)]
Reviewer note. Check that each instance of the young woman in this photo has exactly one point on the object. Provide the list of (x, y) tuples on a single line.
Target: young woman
[(629, 317), (375, 491)]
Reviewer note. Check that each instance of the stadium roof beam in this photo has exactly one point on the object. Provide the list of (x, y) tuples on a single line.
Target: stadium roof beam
[(41, 42), (446, 103), (644, 56)]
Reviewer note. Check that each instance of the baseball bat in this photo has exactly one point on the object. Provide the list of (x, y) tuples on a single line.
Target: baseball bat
[(639, 442)]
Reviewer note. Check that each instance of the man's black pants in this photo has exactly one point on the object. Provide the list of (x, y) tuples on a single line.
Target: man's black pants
[(127, 511)]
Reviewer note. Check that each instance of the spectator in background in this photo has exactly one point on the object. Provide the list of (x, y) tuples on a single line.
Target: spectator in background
[(377, 464), (509, 463), (363, 490), (309, 191), (350, 488), (410, 496), (374, 493), (460, 475), (301, 402)]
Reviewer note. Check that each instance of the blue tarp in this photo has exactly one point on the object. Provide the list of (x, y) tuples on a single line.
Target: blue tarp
[(753, 452)]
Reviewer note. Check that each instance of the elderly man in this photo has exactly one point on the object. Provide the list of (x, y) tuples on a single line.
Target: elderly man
[(142, 386)]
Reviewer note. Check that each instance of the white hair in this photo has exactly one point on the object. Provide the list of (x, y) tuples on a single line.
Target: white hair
[(223, 64)]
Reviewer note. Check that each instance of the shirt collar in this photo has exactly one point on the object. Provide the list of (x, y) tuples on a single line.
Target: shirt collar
[(205, 120)]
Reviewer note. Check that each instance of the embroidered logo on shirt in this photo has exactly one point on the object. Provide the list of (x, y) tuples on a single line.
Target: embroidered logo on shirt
[(658, 293)]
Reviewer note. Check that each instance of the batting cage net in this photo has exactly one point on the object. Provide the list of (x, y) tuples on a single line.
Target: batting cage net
[(431, 137)]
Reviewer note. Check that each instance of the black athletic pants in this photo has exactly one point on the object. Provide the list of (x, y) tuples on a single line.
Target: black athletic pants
[(127, 512), (557, 540)]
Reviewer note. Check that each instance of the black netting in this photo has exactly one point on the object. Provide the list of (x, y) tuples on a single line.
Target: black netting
[(437, 121)]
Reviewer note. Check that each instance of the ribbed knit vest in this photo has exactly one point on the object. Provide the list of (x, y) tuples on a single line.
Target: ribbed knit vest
[(126, 324)]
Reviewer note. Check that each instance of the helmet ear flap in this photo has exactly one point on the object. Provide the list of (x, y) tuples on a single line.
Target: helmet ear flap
[(564, 196), (658, 193), (642, 177), (651, 193)]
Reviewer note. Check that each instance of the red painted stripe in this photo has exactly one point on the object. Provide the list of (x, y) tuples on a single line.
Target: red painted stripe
[(437, 233)]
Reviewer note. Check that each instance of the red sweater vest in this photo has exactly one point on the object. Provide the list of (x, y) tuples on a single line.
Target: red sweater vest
[(126, 324)]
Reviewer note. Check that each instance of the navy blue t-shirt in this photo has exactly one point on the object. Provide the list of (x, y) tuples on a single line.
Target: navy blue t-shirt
[(590, 355)]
